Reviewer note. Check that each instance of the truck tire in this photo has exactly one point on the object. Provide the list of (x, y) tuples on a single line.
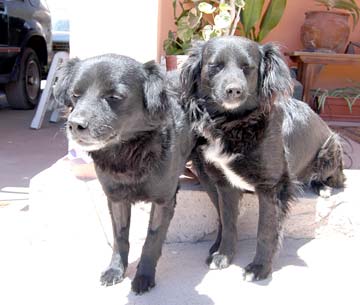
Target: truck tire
[(24, 93)]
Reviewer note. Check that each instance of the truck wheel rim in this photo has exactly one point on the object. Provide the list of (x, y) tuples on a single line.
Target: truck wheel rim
[(32, 80)]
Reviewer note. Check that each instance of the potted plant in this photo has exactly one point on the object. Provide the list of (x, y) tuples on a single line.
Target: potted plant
[(339, 103), (177, 43), (202, 20), (198, 21), (328, 30)]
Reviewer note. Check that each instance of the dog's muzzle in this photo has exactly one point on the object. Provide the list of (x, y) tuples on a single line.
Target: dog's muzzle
[(89, 139), (234, 95)]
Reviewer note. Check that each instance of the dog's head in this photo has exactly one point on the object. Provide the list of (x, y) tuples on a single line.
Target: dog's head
[(235, 73), (111, 98)]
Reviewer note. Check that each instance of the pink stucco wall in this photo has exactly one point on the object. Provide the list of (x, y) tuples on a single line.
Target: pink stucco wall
[(287, 33)]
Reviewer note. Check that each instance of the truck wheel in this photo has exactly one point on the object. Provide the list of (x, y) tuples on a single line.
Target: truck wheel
[(24, 93)]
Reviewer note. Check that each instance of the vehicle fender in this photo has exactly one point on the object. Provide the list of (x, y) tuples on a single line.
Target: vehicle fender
[(27, 42)]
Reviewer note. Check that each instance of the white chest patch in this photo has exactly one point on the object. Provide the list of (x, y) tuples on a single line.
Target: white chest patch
[(214, 154)]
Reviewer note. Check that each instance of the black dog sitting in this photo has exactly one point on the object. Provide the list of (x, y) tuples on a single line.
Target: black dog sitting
[(127, 116), (254, 137)]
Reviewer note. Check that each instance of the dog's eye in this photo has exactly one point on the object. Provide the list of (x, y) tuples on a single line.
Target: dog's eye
[(114, 98), (246, 68), (75, 96), (215, 67)]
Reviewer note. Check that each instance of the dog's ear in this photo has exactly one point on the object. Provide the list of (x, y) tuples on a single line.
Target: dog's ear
[(65, 74), (191, 69), (154, 91), (275, 78)]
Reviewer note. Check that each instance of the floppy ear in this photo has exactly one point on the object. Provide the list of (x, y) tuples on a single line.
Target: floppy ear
[(65, 75), (275, 78), (154, 92), (191, 69)]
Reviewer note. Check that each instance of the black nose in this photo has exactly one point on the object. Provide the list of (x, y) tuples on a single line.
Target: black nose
[(233, 91), (77, 124)]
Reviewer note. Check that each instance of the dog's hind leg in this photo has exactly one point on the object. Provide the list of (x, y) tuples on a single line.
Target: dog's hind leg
[(160, 218), (120, 217), (273, 206), (228, 207), (328, 167)]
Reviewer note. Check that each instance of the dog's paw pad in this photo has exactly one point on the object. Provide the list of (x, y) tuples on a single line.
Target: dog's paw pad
[(111, 276), (256, 272), (218, 261), (142, 283)]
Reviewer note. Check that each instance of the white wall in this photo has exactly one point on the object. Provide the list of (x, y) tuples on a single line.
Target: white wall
[(114, 26)]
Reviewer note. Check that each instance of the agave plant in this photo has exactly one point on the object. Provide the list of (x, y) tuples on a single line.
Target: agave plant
[(257, 23), (207, 19), (347, 5)]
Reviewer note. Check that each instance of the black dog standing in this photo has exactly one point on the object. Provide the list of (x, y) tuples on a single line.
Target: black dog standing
[(254, 137), (127, 116)]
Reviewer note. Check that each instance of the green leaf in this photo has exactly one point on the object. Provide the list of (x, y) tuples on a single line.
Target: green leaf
[(222, 20), (170, 45), (217, 33), (174, 7), (224, 7), (184, 30), (271, 18), (194, 20), (184, 13), (185, 34), (251, 14), (206, 8)]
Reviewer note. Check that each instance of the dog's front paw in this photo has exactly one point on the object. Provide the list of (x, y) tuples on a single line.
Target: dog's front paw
[(142, 283), (256, 272), (218, 261), (112, 276)]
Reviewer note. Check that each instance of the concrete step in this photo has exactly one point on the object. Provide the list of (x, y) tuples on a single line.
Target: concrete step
[(56, 193)]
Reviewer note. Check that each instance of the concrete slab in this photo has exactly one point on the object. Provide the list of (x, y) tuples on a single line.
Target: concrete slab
[(56, 250), (24, 152), (54, 253)]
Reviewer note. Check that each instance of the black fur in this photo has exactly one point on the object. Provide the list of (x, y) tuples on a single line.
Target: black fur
[(238, 94), (127, 116)]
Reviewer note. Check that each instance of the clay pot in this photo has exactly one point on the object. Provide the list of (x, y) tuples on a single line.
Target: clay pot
[(325, 31), (174, 62)]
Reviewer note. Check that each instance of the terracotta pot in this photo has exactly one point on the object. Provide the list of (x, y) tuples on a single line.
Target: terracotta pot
[(174, 62), (337, 109), (325, 31)]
